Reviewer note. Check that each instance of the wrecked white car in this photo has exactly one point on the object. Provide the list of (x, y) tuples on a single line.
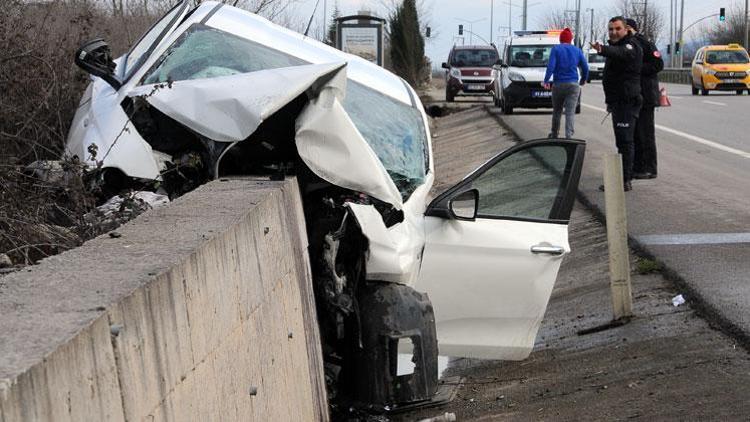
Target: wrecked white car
[(215, 91)]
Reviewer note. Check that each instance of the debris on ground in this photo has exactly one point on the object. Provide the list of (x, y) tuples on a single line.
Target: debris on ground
[(678, 300)]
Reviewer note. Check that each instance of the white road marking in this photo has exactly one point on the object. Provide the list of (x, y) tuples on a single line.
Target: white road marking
[(714, 103), (694, 239), (706, 142)]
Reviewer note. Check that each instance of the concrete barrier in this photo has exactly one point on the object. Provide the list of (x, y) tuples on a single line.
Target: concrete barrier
[(202, 310)]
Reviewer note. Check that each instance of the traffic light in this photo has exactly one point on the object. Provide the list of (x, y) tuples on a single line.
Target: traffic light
[(722, 14), (428, 31), (669, 48), (677, 47), (460, 29)]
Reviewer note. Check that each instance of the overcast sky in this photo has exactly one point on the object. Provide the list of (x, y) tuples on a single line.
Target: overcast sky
[(445, 15)]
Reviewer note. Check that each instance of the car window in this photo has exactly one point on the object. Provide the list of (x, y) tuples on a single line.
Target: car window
[(205, 52), (474, 57), (138, 53), (529, 55), (394, 130), (727, 57), (526, 184), (595, 58)]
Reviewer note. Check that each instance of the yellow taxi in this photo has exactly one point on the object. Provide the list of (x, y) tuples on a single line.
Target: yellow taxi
[(721, 68)]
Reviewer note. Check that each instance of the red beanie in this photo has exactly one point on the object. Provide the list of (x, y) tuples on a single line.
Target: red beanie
[(566, 36)]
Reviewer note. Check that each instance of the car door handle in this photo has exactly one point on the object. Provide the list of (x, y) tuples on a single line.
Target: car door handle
[(551, 250)]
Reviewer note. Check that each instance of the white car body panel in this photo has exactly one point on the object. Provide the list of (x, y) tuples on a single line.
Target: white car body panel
[(102, 122), (504, 288), (395, 252)]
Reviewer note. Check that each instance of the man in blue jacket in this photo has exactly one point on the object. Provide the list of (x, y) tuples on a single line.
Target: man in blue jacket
[(564, 61)]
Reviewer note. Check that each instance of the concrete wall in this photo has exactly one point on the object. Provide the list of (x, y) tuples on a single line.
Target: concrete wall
[(201, 310)]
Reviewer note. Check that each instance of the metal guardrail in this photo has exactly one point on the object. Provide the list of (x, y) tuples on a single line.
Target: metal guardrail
[(675, 76)]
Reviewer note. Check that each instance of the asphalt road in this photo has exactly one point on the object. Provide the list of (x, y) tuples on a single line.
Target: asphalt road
[(695, 217)]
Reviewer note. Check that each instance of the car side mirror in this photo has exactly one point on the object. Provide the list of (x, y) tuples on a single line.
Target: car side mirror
[(95, 58), (464, 205), (445, 65), (499, 62)]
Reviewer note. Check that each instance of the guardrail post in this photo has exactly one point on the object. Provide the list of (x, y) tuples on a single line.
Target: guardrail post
[(617, 237)]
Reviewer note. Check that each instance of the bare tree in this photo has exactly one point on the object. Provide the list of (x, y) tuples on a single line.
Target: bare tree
[(559, 19), (651, 20)]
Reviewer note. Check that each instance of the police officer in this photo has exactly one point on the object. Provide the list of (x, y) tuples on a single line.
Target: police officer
[(622, 89), (644, 164)]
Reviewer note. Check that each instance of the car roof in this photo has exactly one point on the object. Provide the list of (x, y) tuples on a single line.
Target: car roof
[(723, 47), (473, 47), (532, 40), (260, 30)]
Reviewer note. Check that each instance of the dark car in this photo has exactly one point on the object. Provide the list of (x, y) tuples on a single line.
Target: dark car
[(469, 71)]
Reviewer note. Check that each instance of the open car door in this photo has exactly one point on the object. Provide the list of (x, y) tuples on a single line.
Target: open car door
[(494, 245)]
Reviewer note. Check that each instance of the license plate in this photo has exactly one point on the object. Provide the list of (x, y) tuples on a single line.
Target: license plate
[(475, 87), (731, 81), (541, 94)]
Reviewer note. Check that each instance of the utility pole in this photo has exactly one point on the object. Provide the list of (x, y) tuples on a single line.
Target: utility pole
[(325, 19), (645, 27), (492, 19), (682, 22), (578, 23), (525, 13), (591, 31), (746, 27), (671, 33)]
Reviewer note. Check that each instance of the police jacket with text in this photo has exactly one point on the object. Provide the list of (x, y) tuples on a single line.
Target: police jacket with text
[(652, 65), (622, 71)]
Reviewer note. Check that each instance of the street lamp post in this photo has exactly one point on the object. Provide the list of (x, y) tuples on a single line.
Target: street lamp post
[(682, 22), (746, 27), (591, 32), (471, 27)]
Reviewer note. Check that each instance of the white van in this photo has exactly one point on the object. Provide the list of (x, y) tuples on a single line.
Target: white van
[(596, 65), (521, 73)]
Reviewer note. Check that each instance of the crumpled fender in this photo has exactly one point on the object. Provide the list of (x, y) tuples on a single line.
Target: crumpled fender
[(333, 148)]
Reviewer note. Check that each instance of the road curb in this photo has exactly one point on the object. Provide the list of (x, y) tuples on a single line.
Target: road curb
[(702, 307)]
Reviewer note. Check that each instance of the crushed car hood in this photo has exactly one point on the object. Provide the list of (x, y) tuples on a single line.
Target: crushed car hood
[(230, 108)]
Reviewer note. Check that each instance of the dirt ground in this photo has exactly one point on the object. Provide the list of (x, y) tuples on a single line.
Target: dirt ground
[(666, 364)]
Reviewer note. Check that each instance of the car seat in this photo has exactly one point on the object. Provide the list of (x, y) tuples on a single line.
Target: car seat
[(523, 55)]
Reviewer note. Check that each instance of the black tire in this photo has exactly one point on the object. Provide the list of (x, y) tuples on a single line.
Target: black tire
[(507, 109), (694, 89), (739, 92), (449, 96), (704, 91)]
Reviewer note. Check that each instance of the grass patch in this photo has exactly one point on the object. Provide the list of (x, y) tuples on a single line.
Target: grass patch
[(647, 266)]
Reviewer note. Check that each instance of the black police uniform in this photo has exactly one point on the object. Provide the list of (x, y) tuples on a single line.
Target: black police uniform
[(622, 93), (644, 163)]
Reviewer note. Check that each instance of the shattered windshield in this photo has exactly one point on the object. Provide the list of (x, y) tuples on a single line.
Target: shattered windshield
[(394, 130), (204, 52)]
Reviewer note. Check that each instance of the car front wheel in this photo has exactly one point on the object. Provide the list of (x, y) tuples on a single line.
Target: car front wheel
[(449, 96)]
